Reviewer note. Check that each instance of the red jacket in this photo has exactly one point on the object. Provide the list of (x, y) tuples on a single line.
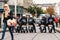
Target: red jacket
[(56, 19)]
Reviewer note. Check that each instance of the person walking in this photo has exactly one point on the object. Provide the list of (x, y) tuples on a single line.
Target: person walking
[(7, 15), (56, 20)]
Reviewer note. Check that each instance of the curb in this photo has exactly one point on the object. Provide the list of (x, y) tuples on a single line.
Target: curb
[(57, 29)]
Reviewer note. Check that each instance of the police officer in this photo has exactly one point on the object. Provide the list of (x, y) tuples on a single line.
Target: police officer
[(43, 22), (31, 22), (19, 23), (23, 22), (51, 21)]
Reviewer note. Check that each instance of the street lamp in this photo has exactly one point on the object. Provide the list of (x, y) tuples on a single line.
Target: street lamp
[(15, 8)]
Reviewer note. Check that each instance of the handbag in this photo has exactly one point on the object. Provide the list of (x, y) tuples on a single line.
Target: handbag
[(11, 22)]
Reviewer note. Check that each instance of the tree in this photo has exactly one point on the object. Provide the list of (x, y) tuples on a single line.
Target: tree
[(34, 10), (50, 10), (31, 10)]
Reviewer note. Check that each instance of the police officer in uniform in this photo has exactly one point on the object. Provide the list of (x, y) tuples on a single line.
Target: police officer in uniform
[(23, 22), (31, 21), (19, 23), (51, 21)]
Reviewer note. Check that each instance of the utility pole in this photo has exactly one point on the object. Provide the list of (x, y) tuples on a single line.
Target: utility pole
[(15, 8)]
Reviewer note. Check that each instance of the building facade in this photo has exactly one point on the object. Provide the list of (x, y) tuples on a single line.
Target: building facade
[(1, 3), (20, 5), (27, 3)]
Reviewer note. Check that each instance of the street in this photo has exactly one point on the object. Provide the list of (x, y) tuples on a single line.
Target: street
[(33, 36)]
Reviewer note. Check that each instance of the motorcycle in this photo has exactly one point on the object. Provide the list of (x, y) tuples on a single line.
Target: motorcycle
[(24, 28), (30, 28), (42, 27), (50, 27)]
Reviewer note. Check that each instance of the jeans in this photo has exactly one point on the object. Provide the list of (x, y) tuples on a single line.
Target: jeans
[(34, 28), (4, 30), (56, 24)]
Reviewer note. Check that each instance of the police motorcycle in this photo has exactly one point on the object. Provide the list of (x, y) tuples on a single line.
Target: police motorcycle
[(19, 19), (23, 25), (31, 25), (18, 28), (50, 25), (42, 25)]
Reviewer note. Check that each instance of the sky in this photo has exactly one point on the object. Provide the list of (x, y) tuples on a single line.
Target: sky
[(45, 1)]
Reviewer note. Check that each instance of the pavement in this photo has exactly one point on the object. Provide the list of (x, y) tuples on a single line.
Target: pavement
[(33, 36), (57, 29)]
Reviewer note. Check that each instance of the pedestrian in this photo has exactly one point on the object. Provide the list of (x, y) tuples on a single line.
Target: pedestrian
[(36, 18), (56, 20), (7, 15), (59, 21)]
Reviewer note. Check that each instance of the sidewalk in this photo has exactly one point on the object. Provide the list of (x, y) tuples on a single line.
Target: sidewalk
[(58, 29)]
